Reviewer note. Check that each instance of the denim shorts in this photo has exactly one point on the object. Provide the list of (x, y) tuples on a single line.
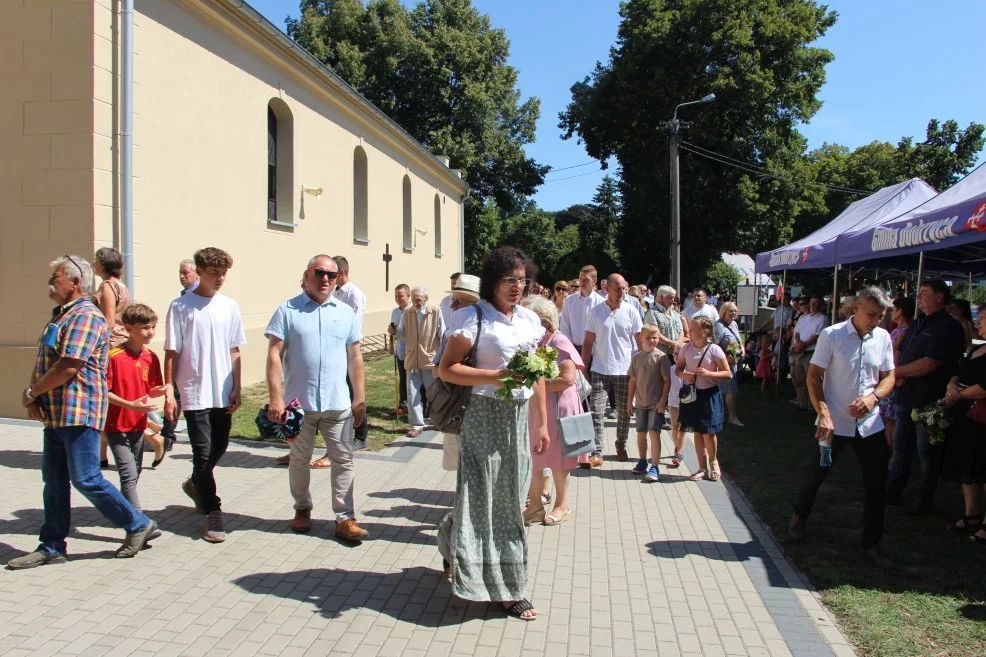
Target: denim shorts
[(648, 419)]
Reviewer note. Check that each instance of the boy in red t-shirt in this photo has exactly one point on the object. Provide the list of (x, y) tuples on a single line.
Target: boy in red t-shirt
[(133, 375)]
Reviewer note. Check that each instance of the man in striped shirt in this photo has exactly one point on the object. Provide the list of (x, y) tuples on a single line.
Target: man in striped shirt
[(68, 394)]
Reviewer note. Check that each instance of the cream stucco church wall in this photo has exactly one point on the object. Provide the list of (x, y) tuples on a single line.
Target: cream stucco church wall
[(205, 75)]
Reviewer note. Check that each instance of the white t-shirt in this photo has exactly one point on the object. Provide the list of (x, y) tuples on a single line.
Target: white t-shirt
[(203, 330), (616, 340), (499, 339), (675, 388), (705, 311), (809, 326), (353, 297)]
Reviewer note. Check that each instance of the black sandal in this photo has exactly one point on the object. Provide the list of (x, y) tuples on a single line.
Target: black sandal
[(518, 608), (975, 538), (971, 524)]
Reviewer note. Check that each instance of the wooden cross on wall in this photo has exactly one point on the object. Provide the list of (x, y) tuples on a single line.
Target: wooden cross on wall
[(387, 257)]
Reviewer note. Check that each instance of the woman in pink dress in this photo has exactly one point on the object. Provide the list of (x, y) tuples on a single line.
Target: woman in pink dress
[(562, 391)]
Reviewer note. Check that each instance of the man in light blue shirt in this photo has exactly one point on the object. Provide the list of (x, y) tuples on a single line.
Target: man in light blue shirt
[(314, 343), (857, 361)]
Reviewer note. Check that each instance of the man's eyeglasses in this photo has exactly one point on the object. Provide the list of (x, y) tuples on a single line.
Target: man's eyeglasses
[(516, 282), (321, 273)]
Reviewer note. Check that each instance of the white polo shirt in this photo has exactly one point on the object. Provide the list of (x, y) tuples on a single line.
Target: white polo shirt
[(574, 313), (708, 310), (852, 369), (615, 340), (809, 326), (353, 297)]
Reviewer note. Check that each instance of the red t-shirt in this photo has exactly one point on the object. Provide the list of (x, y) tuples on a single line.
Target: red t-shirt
[(130, 376)]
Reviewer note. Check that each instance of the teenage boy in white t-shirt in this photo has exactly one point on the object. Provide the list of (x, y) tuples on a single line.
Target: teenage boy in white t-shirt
[(204, 334)]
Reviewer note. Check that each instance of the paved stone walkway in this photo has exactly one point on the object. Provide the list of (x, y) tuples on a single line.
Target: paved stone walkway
[(675, 568)]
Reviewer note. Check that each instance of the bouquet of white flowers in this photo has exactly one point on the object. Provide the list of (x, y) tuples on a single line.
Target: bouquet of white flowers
[(935, 418), (532, 363)]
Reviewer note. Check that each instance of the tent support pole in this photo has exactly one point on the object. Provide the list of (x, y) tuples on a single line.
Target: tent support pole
[(780, 338), (970, 285), (835, 290), (920, 276)]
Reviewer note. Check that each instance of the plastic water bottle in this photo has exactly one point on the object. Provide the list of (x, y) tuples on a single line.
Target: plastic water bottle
[(825, 454)]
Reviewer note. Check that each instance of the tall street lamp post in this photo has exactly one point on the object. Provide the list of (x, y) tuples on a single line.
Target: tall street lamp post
[(674, 127)]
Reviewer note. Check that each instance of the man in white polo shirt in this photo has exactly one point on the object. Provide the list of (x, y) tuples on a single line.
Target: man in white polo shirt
[(806, 333), (856, 359), (612, 333)]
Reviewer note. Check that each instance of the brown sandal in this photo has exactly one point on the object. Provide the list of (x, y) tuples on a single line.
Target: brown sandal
[(321, 464)]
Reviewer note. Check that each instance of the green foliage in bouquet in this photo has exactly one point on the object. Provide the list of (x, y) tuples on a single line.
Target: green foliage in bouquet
[(936, 418), (532, 363)]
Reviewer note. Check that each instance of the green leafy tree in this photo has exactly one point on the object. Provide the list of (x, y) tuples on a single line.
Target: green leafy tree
[(721, 277), (601, 227), (485, 229), (946, 154), (440, 70), (535, 232), (757, 57)]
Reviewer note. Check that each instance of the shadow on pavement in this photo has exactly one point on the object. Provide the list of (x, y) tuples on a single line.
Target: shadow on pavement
[(445, 498), (415, 595), (21, 459), (750, 551)]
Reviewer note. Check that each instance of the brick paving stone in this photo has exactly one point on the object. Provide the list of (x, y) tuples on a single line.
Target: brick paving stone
[(687, 569)]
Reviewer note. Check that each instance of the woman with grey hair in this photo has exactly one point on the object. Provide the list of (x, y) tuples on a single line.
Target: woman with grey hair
[(727, 333), (561, 400)]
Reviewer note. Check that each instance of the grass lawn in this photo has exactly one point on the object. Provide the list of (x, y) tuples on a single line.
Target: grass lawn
[(933, 604), (384, 426)]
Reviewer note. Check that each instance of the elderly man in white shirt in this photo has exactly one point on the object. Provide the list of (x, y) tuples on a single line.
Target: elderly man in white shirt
[(446, 303), (576, 307), (612, 333), (856, 359), (806, 333), (699, 308)]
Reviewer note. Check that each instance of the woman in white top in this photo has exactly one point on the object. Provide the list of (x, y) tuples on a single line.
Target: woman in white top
[(483, 540), (703, 364)]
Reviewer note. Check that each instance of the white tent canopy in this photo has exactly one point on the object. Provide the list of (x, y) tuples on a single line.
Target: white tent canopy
[(745, 266)]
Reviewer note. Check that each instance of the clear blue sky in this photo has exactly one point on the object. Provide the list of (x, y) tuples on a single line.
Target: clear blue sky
[(898, 63)]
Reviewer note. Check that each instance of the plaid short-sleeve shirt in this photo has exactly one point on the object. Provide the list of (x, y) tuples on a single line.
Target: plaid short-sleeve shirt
[(77, 330)]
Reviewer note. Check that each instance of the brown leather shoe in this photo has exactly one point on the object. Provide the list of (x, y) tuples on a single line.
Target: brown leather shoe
[(348, 530), (621, 453), (302, 523), (595, 461)]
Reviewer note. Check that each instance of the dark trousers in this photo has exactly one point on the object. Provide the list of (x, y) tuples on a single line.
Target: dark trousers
[(208, 433), (359, 432), (873, 455), (908, 436), (402, 376), (168, 427)]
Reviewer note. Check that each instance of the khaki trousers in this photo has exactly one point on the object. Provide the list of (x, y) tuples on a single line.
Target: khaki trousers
[(799, 373), (336, 428)]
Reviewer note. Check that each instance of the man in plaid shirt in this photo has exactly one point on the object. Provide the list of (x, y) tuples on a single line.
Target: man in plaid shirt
[(68, 394)]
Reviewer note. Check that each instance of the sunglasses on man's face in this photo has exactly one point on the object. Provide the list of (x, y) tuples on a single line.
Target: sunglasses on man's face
[(322, 273)]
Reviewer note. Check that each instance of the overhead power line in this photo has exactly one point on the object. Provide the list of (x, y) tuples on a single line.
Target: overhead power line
[(570, 177), (759, 171), (574, 166)]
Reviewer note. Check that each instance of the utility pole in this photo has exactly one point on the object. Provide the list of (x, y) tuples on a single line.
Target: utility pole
[(674, 128)]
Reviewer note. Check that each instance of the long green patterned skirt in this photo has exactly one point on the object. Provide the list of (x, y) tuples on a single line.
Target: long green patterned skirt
[(484, 537)]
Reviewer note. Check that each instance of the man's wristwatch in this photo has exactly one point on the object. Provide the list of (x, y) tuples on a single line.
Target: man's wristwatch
[(29, 394), (878, 397)]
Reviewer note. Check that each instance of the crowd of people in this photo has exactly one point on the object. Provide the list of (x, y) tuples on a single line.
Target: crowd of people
[(642, 362), (867, 378)]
